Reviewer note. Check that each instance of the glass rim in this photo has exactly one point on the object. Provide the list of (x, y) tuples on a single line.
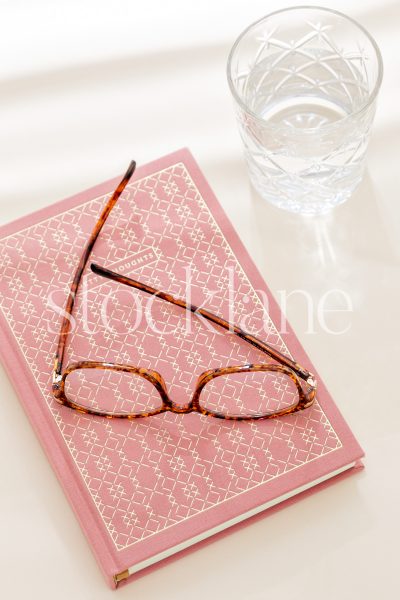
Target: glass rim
[(371, 98)]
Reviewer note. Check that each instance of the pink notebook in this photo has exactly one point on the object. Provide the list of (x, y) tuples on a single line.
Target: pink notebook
[(143, 490)]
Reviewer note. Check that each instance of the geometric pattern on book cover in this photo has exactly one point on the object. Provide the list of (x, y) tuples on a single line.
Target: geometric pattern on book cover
[(147, 475)]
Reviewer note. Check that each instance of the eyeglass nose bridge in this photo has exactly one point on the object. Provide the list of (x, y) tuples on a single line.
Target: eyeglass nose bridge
[(180, 409), (157, 379)]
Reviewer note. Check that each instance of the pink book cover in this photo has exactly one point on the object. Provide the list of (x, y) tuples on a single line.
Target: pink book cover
[(145, 489)]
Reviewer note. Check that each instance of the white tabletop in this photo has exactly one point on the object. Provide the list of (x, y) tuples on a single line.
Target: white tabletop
[(85, 87)]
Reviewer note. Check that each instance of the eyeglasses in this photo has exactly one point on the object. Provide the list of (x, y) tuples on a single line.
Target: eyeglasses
[(114, 390)]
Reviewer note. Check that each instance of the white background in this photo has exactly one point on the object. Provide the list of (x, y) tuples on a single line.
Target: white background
[(84, 87)]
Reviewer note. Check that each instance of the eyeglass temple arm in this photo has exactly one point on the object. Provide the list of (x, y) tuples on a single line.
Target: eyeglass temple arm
[(66, 322), (251, 339)]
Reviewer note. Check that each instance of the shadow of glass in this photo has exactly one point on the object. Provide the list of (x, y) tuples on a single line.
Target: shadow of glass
[(327, 243)]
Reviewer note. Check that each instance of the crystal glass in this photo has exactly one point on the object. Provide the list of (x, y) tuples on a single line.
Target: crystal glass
[(305, 82)]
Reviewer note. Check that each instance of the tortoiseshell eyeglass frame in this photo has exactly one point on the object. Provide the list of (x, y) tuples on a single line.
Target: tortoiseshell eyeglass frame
[(300, 376)]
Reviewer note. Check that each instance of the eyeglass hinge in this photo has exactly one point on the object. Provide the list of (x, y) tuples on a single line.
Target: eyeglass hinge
[(57, 378), (311, 380)]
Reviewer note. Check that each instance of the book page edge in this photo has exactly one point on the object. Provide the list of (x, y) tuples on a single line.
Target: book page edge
[(250, 513)]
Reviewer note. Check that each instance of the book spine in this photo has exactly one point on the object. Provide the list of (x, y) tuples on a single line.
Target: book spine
[(44, 427)]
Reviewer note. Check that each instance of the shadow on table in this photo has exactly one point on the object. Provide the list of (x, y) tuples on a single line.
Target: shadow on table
[(354, 229)]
